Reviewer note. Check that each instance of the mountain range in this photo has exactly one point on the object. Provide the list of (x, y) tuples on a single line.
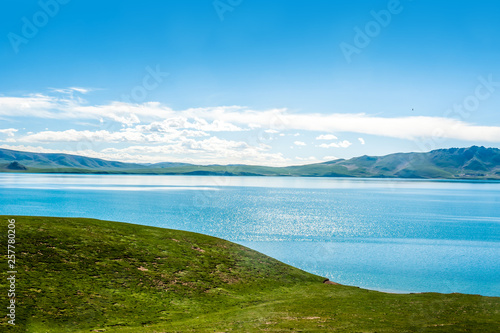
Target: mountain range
[(453, 163)]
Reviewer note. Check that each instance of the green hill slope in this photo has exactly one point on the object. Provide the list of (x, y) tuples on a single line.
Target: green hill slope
[(41, 160), (66, 161), (473, 162), (83, 275)]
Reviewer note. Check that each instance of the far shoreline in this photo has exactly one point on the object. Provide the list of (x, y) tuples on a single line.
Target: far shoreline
[(469, 180)]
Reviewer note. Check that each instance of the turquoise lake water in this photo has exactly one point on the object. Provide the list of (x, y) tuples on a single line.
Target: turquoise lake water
[(389, 235)]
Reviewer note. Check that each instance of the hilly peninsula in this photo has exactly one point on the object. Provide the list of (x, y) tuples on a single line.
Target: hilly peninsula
[(84, 275)]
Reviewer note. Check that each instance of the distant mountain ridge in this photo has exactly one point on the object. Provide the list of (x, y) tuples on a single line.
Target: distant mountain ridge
[(56, 160), (472, 162), (47, 160), (454, 163)]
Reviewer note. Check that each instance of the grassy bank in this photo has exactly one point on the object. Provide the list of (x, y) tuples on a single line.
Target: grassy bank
[(83, 275)]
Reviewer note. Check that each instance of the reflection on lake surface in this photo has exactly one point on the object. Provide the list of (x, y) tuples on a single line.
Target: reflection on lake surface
[(394, 235)]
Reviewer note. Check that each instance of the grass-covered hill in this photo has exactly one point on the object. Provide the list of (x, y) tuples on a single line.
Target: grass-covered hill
[(455, 163), (83, 275), (67, 162), (472, 162)]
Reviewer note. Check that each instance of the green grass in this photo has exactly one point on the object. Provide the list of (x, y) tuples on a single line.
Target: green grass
[(83, 275)]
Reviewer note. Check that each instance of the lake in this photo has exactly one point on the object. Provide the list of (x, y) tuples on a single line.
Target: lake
[(391, 235)]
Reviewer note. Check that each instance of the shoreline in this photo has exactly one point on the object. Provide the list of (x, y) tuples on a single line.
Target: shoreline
[(84, 275), (325, 279)]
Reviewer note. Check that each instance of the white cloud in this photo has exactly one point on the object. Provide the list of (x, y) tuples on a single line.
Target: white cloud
[(210, 151), (44, 106), (31, 106), (159, 133), (237, 117), (310, 158), (8, 131), (305, 160), (330, 158), (411, 128), (199, 124), (70, 90), (131, 135), (340, 144), (326, 137), (35, 149), (81, 90)]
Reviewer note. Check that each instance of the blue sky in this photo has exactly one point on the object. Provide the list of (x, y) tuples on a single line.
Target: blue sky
[(257, 82)]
